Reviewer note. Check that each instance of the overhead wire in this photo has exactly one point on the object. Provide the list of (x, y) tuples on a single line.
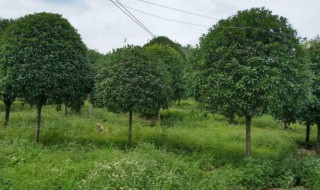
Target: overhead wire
[(180, 10), (167, 19), (128, 13), (132, 17), (182, 22)]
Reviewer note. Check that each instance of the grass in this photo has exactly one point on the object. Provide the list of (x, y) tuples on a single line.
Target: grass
[(190, 150)]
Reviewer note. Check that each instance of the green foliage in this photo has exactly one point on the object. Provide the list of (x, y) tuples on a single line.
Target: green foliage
[(146, 167), (4, 23), (311, 113), (189, 151), (255, 174), (165, 41), (168, 58), (130, 82), (7, 93), (95, 59), (45, 60), (243, 71), (176, 65), (297, 92)]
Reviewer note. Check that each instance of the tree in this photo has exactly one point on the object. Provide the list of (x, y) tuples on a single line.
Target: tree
[(242, 64), (297, 94), (168, 58), (175, 66), (6, 94), (130, 82), (4, 23), (165, 41), (312, 111), (307, 116), (45, 59), (95, 60)]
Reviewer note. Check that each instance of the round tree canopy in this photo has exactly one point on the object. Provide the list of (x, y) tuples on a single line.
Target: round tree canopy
[(246, 61), (46, 59), (130, 82)]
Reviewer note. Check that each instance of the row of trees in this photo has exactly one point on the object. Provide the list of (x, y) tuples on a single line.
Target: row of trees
[(140, 79), (250, 64), (44, 62)]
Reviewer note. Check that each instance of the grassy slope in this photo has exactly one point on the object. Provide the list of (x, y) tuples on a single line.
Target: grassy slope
[(191, 150)]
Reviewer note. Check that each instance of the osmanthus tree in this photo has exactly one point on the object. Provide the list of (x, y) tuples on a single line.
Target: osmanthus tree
[(311, 113), (297, 94), (177, 69), (7, 94), (168, 58), (95, 61), (45, 60), (165, 41), (199, 89), (130, 82), (79, 89), (242, 64)]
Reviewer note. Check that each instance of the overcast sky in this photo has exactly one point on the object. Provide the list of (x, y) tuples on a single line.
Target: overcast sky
[(103, 26)]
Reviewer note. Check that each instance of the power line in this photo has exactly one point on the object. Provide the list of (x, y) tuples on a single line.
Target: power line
[(175, 9), (231, 27), (159, 17), (134, 19), (131, 16)]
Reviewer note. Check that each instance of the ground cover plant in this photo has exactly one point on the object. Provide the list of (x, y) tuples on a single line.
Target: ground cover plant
[(190, 150)]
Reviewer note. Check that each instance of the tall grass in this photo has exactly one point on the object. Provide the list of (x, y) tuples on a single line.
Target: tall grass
[(190, 150)]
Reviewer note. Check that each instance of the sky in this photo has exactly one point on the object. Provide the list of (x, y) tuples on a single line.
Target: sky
[(104, 27)]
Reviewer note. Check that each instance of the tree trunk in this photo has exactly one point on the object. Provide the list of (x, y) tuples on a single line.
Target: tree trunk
[(286, 125), (318, 140), (37, 129), (308, 126), (248, 135), (65, 110), (130, 130), (7, 116), (231, 118), (90, 106), (158, 117)]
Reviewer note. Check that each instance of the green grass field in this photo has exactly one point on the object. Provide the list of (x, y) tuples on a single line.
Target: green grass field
[(190, 150)]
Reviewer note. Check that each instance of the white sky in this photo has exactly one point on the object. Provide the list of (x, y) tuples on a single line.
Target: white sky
[(103, 26)]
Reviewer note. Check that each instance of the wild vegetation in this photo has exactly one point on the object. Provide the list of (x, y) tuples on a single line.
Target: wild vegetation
[(250, 75), (190, 150)]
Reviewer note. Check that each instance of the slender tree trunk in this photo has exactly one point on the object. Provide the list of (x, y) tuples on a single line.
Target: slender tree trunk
[(65, 110), (38, 119), (90, 106), (318, 140), (248, 135), (179, 102), (231, 118), (158, 117), (308, 126), (130, 130), (7, 116)]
